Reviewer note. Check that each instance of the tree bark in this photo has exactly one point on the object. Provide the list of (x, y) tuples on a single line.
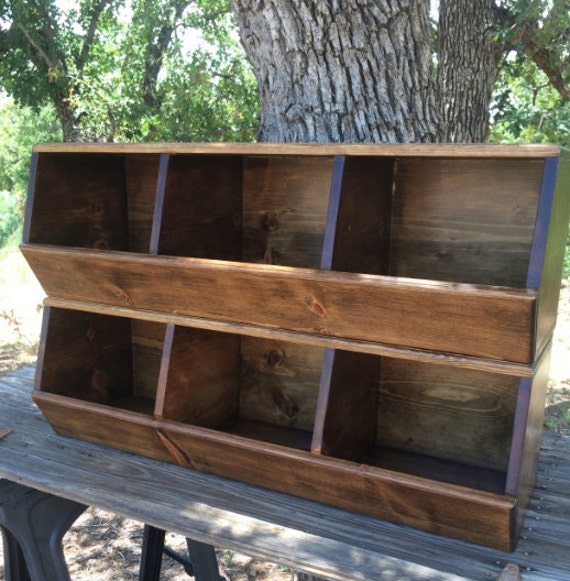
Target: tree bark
[(467, 68), (356, 70)]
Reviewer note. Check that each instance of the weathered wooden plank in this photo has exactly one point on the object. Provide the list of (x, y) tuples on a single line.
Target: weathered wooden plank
[(302, 534), (392, 149), (461, 319)]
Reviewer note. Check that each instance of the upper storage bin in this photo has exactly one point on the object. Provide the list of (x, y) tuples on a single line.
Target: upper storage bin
[(444, 245), (457, 219), (93, 201), (258, 209)]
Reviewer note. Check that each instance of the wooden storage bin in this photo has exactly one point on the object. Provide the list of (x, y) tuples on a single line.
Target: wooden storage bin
[(424, 230), (366, 326)]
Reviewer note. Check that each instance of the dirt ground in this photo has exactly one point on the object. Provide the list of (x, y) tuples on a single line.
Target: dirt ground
[(104, 547)]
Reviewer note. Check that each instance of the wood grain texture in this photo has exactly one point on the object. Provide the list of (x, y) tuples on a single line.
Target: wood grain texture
[(79, 200), (381, 349), (85, 356), (528, 433), (141, 179), (466, 220), (110, 426), (435, 268), (201, 210), (347, 411), (443, 508), (147, 346), (280, 383), (459, 473), (359, 238), (464, 319), (298, 533), (389, 149), (460, 415), (202, 377), (284, 209), (446, 509)]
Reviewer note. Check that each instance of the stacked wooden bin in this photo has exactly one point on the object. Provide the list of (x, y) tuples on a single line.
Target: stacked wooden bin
[(367, 326)]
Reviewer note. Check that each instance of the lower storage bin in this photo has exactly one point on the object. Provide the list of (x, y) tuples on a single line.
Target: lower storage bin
[(263, 389), (99, 358), (433, 446)]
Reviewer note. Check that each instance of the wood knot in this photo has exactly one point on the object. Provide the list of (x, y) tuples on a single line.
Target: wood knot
[(319, 309), (123, 296), (285, 404), (276, 357), (91, 334), (270, 222)]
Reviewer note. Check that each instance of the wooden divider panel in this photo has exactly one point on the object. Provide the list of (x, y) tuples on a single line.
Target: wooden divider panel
[(202, 206), (147, 346), (200, 377), (141, 179), (357, 240)]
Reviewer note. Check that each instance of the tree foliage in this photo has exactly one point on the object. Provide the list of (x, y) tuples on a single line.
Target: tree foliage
[(20, 128), (132, 69), (129, 69), (532, 92)]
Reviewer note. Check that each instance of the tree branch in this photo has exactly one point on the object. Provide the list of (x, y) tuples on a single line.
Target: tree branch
[(542, 58), (521, 37), (156, 49), (39, 50), (92, 29)]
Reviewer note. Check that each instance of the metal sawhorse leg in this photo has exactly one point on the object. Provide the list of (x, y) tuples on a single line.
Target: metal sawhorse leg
[(34, 524), (202, 563)]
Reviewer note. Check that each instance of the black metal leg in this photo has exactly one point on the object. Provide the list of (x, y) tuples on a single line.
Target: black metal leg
[(151, 558), (14, 563), (36, 522), (204, 561)]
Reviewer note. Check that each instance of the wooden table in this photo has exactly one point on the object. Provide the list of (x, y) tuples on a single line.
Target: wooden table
[(276, 527)]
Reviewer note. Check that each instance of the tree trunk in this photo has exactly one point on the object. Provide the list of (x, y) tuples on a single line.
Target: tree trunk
[(66, 118), (341, 71), (467, 68)]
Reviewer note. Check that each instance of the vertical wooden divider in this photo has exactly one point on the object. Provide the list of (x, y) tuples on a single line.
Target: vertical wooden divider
[(163, 373), (153, 249), (159, 203), (194, 193), (357, 239)]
